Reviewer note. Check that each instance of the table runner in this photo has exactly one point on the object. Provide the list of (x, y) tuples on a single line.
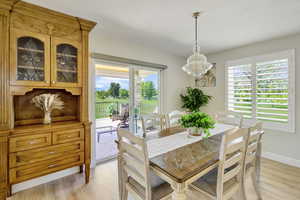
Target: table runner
[(166, 144)]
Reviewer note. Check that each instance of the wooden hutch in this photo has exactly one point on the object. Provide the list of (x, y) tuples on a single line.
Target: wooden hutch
[(42, 51)]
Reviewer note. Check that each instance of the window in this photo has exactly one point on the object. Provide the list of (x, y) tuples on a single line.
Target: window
[(262, 88)]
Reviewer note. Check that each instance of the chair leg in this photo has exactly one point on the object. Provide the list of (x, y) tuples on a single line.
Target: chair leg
[(256, 185), (124, 194), (243, 190)]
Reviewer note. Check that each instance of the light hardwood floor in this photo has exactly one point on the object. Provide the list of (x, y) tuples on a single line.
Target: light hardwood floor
[(278, 182)]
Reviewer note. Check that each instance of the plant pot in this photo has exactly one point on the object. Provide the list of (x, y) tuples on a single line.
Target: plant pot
[(194, 131), (47, 117)]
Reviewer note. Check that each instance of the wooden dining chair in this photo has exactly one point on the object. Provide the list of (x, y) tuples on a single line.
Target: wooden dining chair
[(230, 118), (153, 123), (134, 170), (252, 157), (224, 182), (173, 118), (247, 123)]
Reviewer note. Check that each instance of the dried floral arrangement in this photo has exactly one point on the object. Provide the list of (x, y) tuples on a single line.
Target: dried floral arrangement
[(47, 103)]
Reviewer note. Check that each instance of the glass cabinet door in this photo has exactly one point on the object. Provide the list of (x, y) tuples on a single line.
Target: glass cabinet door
[(67, 59), (30, 59)]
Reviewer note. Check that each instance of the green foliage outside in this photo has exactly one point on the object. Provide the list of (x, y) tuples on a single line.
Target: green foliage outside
[(114, 90), (193, 99), (148, 90), (197, 120), (102, 94), (108, 102), (124, 93)]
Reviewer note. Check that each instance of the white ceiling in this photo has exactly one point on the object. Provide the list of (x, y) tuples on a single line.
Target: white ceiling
[(168, 25)]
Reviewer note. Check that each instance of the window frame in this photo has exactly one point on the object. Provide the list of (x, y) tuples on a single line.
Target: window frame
[(287, 54)]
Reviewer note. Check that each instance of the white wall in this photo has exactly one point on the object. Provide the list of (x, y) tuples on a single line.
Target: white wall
[(174, 78), (278, 145)]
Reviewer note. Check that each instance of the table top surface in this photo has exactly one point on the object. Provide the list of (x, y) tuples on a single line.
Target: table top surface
[(185, 162)]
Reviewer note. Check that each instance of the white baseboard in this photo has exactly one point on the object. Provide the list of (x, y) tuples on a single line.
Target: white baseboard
[(282, 159), (44, 179)]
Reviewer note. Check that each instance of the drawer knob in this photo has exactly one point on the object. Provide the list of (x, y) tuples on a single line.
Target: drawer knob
[(32, 142), (51, 152), (50, 166)]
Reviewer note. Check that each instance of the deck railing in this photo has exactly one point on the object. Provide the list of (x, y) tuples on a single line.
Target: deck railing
[(103, 109)]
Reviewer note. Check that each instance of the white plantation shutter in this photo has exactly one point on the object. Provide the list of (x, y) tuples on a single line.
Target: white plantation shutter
[(272, 85), (240, 89), (263, 88)]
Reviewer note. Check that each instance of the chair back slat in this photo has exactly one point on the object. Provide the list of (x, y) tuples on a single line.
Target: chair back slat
[(173, 118), (234, 147), (248, 122), (132, 150), (129, 136), (233, 160), (134, 161), (152, 122), (233, 172), (233, 136), (230, 118), (136, 175)]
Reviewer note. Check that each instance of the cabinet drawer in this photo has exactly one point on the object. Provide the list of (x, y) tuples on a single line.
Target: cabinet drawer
[(26, 172), (29, 142), (37, 155), (3, 194), (68, 136)]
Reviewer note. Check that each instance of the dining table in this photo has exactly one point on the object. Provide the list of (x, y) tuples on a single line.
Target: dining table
[(180, 159)]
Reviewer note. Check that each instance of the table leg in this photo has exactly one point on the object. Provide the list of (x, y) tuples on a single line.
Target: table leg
[(179, 192)]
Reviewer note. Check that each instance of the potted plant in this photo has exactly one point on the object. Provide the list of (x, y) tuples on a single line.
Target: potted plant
[(193, 99), (111, 110), (197, 123)]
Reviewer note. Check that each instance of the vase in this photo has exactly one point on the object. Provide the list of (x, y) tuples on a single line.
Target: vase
[(194, 131), (47, 117)]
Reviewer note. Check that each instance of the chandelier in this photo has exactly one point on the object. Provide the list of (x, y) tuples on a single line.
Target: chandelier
[(197, 64)]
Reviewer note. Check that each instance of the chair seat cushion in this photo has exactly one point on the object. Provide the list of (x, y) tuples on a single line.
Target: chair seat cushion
[(158, 192)]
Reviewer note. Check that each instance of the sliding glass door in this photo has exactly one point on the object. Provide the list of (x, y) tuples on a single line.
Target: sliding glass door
[(145, 98), (123, 93)]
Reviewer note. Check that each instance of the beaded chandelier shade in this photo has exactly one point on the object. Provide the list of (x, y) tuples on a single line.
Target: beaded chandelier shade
[(197, 64)]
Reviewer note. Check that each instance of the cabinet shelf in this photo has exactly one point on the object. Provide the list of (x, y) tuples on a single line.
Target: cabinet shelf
[(66, 55), (30, 67), (67, 70), (32, 50)]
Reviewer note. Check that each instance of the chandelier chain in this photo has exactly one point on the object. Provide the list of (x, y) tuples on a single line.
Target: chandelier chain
[(196, 33)]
